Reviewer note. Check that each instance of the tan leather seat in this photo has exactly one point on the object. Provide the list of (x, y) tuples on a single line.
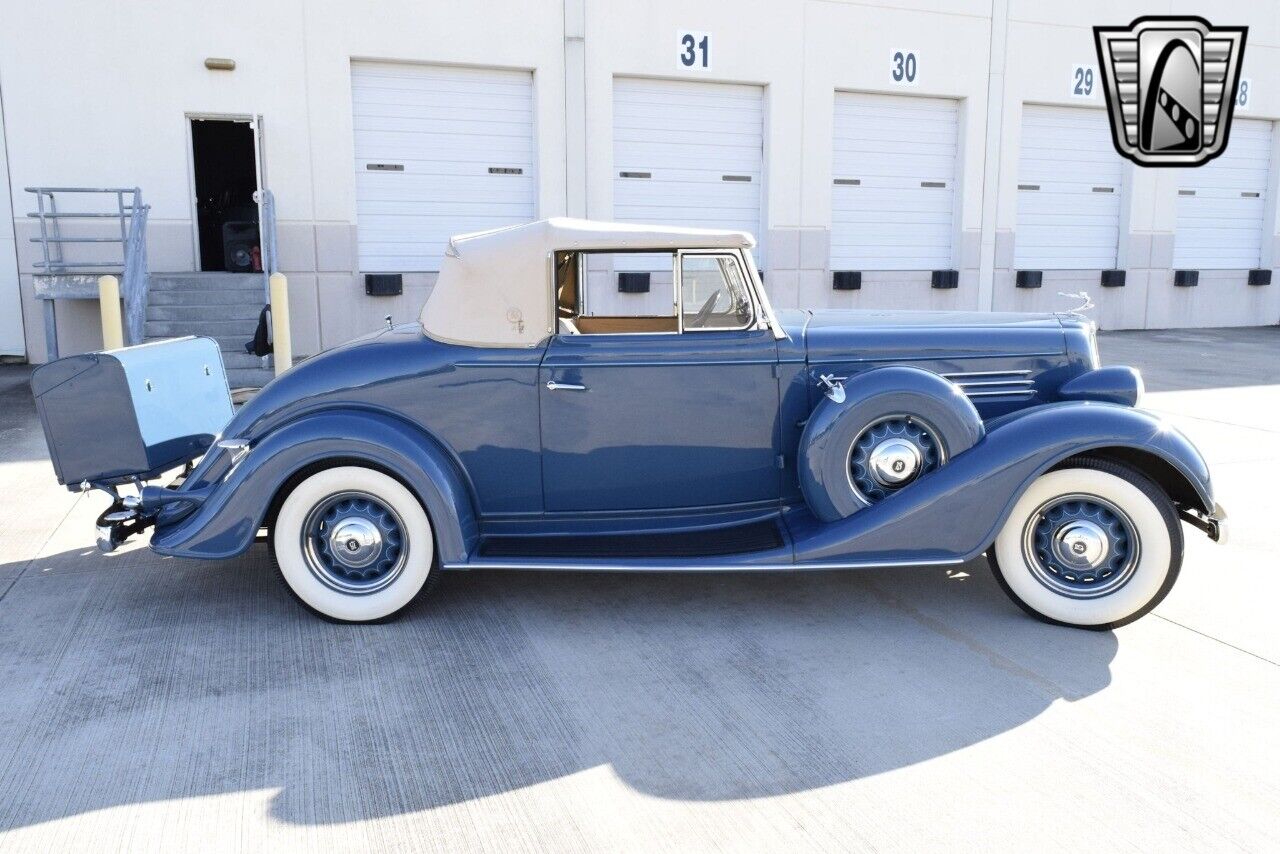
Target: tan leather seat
[(623, 325)]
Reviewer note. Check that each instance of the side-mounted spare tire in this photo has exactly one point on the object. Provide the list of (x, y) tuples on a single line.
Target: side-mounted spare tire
[(894, 425)]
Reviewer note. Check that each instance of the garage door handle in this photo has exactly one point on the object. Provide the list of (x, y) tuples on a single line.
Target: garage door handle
[(555, 386)]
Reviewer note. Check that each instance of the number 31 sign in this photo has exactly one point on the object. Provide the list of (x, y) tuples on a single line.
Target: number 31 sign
[(695, 50)]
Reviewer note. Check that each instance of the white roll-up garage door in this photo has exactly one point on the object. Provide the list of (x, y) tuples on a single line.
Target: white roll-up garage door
[(893, 173), (1222, 204), (1069, 183), (439, 151), (689, 154)]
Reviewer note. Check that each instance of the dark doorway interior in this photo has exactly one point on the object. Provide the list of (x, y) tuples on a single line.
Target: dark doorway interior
[(226, 176)]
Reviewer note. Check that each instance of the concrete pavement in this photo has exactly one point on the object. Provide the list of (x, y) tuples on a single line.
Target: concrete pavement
[(154, 703)]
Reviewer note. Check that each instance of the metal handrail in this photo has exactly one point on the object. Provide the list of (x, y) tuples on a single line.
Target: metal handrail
[(267, 235), (136, 276), (132, 218)]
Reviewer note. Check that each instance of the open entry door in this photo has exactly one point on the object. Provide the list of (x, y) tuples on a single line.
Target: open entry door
[(227, 175)]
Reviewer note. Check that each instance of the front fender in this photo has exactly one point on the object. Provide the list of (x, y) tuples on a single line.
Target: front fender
[(231, 511), (954, 513)]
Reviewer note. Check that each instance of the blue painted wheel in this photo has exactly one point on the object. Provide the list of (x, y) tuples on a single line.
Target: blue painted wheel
[(354, 543), (891, 453), (1081, 546)]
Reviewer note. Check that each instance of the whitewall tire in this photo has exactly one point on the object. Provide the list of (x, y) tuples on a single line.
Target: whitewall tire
[(353, 545), (1093, 545)]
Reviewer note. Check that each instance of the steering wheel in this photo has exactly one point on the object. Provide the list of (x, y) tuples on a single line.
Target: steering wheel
[(707, 307)]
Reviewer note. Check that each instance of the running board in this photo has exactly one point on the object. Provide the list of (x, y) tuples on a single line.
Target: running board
[(754, 537), (651, 565)]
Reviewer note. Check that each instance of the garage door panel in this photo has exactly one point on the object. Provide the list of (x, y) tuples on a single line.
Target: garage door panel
[(445, 128), (509, 125), (378, 101), (483, 145), (724, 217), (1221, 206), (686, 137), (886, 237), (1063, 222), (892, 146), (460, 184), (900, 215), (920, 165), (660, 190)]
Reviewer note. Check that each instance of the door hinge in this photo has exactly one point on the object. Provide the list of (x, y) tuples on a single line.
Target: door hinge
[(780, 461), (777, 371)]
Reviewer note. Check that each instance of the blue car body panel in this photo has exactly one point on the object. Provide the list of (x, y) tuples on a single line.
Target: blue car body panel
[(649, 429), (670, 433), (227, 518)]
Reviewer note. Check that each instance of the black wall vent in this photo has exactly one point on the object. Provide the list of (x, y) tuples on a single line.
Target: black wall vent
[(945, 279), (1259, 277), (1113, 278), (633, 283), (383, 284), (846, 280), (1030, 278), (1186, 278)]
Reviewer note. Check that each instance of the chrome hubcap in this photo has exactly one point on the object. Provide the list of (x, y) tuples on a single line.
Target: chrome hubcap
[(894, 462), (1081, 546), (891, 453), (353, 543)]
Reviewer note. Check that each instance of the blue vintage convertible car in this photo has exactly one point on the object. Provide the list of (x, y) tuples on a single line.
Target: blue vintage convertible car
[(595, 396)]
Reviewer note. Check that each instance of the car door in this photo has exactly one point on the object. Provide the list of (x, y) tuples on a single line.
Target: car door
[(649, 421)]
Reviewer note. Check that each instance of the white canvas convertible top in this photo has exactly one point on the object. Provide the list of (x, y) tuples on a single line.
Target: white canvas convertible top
[(494, 288)]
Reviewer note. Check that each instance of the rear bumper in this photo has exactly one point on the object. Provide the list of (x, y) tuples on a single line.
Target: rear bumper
[(1214, 524)]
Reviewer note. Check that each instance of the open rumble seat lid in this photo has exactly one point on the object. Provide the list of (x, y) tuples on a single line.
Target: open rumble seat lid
[(494, 288)]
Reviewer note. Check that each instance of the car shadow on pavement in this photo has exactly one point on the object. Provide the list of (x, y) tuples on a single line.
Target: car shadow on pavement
[(132, 679)]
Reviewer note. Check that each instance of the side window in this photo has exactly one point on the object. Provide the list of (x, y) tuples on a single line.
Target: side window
[(616, 292), (713, 293)]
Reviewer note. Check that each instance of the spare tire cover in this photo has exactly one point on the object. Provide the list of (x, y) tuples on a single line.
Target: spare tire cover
[(827, 441)]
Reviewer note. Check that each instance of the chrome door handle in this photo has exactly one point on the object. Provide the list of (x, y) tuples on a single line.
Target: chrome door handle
[(555, 386)]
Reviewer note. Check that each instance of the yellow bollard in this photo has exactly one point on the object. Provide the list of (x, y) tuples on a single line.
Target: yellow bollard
[(109, 306), (281, 343)]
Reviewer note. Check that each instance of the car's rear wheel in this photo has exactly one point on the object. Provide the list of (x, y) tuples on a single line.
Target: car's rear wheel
[(353, 545), (1093, 545)]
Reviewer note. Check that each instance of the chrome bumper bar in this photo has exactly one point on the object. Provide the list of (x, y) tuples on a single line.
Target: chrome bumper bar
[(1213, 524)]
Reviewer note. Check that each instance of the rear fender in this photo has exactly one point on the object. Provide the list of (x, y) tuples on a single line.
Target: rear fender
[(229, 512), (955, 512)]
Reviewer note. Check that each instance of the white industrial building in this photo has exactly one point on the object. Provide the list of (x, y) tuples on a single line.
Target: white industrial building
[(899, 140)]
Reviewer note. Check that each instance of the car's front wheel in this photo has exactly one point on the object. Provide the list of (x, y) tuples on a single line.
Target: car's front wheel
[(353, 545), (1094, 545)]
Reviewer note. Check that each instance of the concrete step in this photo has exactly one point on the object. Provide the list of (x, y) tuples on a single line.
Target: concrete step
[(203, 297), (234, 356), (226, 343), (249, 377), (176, 328), (207, 282), (240, 359), (203, 313)]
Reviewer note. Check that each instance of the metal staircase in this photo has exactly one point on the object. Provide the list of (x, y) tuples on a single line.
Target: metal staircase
[(61, 277), (222, 306)]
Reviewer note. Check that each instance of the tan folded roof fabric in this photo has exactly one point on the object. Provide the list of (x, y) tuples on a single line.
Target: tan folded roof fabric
[(494, 288)]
